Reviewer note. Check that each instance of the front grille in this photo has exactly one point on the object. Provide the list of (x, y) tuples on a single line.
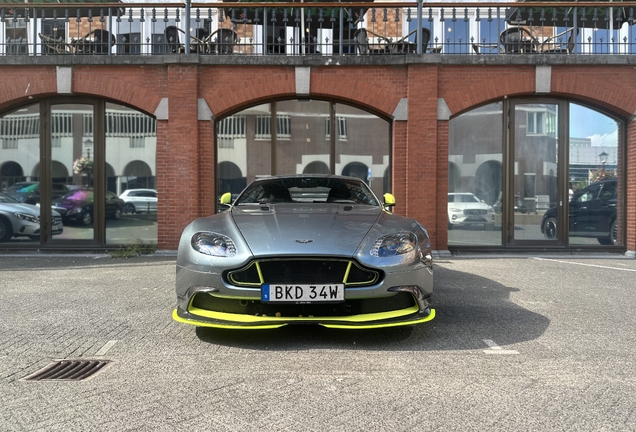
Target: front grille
[(475, 212), (54, 219), (303, 271), (400, 300)]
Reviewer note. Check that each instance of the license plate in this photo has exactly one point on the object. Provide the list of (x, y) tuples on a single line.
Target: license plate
[(475, 218), (290, 293)]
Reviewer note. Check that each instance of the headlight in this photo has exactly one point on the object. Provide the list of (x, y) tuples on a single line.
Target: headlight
[(213, 244), (456, 210), (28, 217), (394, 244), (75, 210)]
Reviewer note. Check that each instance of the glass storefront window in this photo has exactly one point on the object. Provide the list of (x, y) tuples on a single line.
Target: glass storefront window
[(72, 178), (69, 184), (544, 178), (475, 177), (362, 148), (19, 175), (303, 143), (130, 176), (244, 148), (595, 184)]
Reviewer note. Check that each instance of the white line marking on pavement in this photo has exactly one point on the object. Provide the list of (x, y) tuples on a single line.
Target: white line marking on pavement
[(586, 265), (103, 350), (496, 349)]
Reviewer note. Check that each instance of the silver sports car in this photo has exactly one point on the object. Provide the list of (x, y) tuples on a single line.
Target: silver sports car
[(304, 249)]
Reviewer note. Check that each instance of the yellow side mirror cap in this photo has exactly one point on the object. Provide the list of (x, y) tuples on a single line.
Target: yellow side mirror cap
[(226, 198), (389, 201)]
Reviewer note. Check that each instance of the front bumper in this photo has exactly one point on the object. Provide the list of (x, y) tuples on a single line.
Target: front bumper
[(400, 298), (205, 318)]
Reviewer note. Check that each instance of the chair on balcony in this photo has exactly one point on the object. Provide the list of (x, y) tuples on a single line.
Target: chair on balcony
[(404, 46), (103, 41), (555, 45), (516, 40), (361, 42), (173, 43), (221, 41), (51, 45), (197, 42), (98, 41)]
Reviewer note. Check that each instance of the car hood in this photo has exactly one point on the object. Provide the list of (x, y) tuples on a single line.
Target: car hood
[(293, 229), (22, 208), (469, 205), (69, 204)]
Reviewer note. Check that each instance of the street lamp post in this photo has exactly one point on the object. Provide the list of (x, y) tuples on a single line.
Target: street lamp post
[(603, 158)]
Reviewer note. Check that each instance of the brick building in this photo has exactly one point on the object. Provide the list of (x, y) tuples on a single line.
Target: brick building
[(494, 126)]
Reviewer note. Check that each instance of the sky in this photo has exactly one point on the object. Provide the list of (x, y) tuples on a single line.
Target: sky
[(587, 123)]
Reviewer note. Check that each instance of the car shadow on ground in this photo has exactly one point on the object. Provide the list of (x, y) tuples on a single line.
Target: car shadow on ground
[(469, 310)]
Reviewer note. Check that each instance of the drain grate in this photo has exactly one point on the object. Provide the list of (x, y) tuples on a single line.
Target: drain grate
[(68, 370)]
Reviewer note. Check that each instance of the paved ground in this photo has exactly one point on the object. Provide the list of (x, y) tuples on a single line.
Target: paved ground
[(518, 344)]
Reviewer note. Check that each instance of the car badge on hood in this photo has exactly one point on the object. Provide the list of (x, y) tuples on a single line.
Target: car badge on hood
[(304, 241)]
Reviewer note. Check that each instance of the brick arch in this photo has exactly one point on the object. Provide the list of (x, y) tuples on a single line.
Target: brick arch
[(614, 93), (233, 93), (18, 86), (356, 89), (142, 91), (496, 87)]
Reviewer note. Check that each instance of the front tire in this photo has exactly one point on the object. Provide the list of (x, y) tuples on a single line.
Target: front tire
[(6, 230), (117, 214), (130, 208), (87, 218), (550, 228), (611, 239)]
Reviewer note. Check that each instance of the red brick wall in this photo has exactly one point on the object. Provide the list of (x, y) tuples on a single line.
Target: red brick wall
[(185, 145), (464, 87), (21, 83), (421, 160), (631, 186), (398, 161), (441, 222), (142, 87)]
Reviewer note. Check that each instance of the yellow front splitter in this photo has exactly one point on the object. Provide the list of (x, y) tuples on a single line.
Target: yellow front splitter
[(249, 322)]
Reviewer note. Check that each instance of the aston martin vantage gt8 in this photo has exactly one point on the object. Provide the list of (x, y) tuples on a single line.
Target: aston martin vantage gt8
[(304, 249)]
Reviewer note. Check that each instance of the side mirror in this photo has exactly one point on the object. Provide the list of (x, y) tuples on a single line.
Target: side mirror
[(389, 201), (226, 198)]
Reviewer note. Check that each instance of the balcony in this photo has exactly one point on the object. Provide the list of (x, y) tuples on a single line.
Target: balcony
[(235, 32)]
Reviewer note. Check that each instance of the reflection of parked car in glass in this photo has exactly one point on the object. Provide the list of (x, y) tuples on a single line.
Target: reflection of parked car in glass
[(29, 192), (140, 200), (18, 219), (77, 206), (465, 209), (592, 214)]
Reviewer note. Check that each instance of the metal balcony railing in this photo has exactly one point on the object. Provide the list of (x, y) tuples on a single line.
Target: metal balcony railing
[(318, 28)]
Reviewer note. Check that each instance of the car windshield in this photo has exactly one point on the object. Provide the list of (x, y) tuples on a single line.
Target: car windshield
[(308, 190), (6, 199), (23, 188), (80, 196), (463, 198)]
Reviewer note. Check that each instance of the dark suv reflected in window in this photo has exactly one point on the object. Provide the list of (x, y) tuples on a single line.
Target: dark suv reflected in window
[(592, 214)]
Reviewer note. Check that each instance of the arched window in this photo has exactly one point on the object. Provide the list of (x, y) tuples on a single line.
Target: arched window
[(562, 185), (305, 140), (67, 186)]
